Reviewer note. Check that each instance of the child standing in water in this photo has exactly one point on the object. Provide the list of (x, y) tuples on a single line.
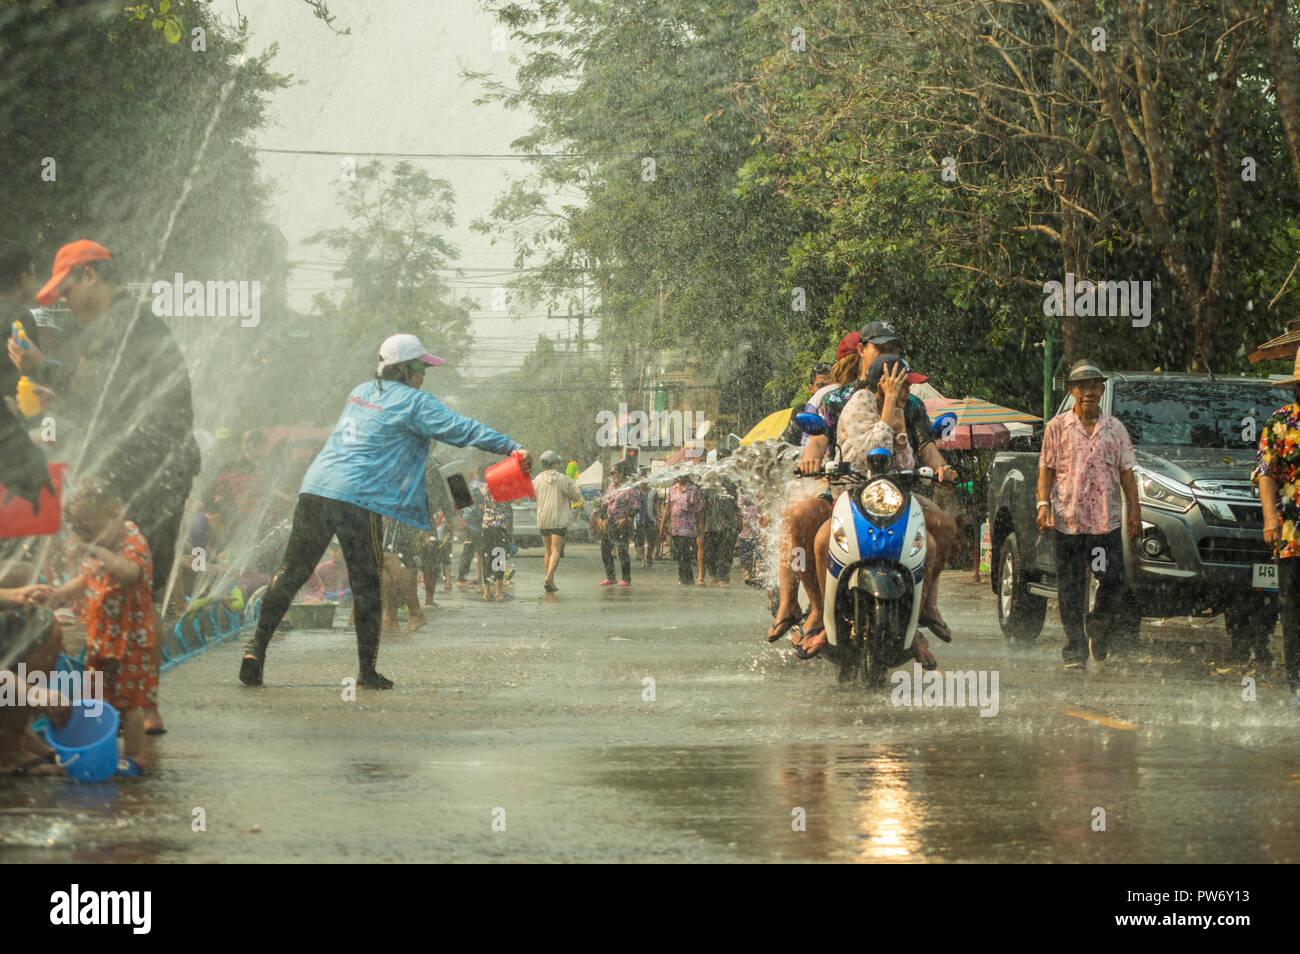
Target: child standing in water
[(116, 579)]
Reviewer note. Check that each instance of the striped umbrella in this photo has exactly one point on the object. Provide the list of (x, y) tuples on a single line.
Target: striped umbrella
[(982, 422)]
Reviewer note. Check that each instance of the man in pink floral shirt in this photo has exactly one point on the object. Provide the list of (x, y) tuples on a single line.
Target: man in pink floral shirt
[(682, 511), (1086, 461)]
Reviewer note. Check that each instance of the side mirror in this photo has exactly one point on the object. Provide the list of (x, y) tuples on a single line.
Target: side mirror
[(943, 425), (810, 423)]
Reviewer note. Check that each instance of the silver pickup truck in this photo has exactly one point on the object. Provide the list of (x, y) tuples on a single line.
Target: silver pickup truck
[(1202, 549)]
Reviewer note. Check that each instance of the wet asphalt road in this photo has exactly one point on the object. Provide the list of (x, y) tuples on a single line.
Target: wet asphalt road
[(532, 716)]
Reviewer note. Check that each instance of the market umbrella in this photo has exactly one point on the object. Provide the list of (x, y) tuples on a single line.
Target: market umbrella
[(769, 428), (979, 423)]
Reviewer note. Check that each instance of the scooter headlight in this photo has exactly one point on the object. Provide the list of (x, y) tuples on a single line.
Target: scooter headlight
[(881, 499), (838, 535), (918, 541)]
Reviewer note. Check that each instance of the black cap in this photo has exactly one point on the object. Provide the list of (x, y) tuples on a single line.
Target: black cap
[(877, 333)]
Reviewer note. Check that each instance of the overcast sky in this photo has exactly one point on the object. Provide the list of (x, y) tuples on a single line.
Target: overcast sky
[(394, 85)]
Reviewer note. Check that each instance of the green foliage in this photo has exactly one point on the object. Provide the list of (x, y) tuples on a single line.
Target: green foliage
[(391, 255), (822, 168)]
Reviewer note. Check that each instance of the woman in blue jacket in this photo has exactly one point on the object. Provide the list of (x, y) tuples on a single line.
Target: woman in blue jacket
[(371, 467)]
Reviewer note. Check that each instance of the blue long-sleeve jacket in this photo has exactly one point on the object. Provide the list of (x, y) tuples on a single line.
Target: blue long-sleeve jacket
[(376, 456)]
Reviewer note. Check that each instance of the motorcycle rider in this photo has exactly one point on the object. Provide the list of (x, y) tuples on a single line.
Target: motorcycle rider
[(872, 418), (803, 517)]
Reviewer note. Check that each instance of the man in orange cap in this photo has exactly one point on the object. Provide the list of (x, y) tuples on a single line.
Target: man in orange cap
[(127, 414)]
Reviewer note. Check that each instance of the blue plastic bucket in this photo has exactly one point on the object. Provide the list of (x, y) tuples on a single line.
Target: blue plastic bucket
[(87, 745)]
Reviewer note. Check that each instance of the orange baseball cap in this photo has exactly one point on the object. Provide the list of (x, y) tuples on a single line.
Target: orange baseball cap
[(81, 252)]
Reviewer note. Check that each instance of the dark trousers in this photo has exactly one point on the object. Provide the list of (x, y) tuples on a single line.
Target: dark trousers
[(1288, 593), (159, 519), (1076, 555), (683, 551), (719, 548), (432, 559), (467, 553), (616, 536), (493, 544), (360, 533)]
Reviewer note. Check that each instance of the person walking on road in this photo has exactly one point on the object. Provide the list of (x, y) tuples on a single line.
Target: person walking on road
[(722, 520), (556, 494), (1277, 474), (681, 515), (646, 537), (1086, 461), (371, 467), (473, 519), (620, 506)]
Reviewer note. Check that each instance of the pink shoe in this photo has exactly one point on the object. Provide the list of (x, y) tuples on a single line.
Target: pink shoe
[(624, 583), (606, 582)]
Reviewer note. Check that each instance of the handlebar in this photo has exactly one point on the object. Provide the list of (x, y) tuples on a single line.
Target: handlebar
[(843, 470)]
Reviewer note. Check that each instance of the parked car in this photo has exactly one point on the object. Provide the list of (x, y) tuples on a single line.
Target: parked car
[(1201, 549), (527, 534)]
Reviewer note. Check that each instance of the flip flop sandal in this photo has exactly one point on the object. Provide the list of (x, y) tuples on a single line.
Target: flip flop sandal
[(933, 625), (803, 653), (783, 626), (156, 730), (127, 766), (921, 652)]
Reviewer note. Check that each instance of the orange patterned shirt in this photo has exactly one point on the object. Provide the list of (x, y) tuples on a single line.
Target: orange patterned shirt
[(120, 625)]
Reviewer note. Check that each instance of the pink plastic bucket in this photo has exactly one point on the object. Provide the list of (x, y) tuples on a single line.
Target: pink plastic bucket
[(506, 479)]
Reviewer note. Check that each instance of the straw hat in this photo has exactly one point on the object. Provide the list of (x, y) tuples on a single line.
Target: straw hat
[(1295, 377)]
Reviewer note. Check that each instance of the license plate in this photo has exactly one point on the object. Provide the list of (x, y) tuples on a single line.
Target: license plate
[(1265, 576)]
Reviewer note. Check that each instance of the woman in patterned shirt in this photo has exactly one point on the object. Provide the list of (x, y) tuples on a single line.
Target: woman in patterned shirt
[(1277, 474), (621, 503)]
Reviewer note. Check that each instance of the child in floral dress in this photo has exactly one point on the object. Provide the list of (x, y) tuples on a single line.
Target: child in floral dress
[(115, 577)]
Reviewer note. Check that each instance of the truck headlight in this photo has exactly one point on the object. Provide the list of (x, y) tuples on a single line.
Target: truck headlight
[(1163, 493), (881, 499)]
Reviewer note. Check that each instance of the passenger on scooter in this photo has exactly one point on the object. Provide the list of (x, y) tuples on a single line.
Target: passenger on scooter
[(872, 417), (803, 518)]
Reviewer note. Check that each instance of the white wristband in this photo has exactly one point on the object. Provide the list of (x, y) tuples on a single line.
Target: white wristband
[(1044, 503)]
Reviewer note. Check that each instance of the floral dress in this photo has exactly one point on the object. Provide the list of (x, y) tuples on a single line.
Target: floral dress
[(1279, 457), (120, 626)]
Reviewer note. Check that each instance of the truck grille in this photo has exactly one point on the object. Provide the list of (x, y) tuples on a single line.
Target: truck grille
[(1247, 516), (1229, 550)]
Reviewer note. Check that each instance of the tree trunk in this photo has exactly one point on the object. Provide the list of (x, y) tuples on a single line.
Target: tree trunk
[(1286, 76)]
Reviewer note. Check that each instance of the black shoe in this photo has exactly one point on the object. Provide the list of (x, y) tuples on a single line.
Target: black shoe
[(250, 671), (374, 680)]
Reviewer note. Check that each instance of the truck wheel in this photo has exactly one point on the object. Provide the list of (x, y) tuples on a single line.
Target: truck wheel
[(1250, 623), (1020, 613)]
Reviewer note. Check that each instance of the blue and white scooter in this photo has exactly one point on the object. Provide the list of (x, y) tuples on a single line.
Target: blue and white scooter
[(876, 568)]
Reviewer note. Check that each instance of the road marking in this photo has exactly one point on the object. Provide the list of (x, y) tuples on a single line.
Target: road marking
[(1100, 719)]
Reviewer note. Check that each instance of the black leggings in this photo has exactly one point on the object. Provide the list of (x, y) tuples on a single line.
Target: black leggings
[(360, 533)]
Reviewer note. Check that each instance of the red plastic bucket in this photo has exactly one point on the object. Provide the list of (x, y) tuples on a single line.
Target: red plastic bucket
[(506, 479), (18, 519)]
